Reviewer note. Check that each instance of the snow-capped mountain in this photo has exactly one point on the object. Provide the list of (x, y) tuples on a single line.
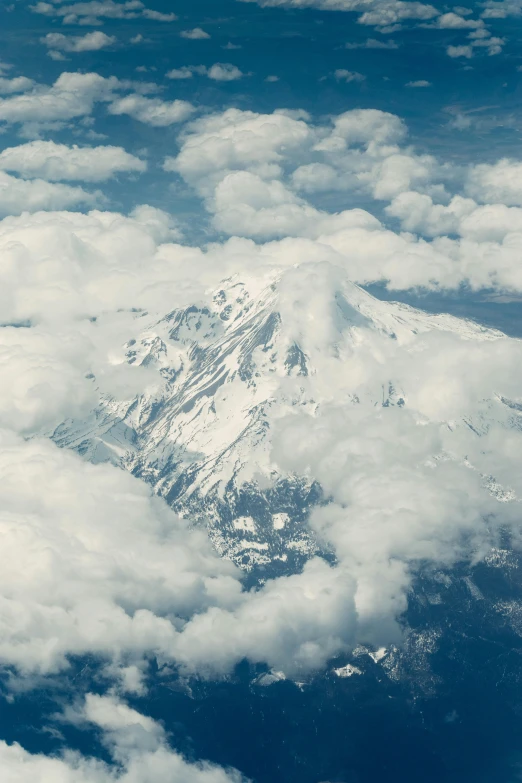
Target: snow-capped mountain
[(225, 370)]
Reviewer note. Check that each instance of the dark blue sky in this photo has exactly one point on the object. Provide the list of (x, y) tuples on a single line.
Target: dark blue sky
[(470, 112)]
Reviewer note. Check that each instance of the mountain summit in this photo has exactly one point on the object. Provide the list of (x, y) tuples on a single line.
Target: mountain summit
[(223, 372)]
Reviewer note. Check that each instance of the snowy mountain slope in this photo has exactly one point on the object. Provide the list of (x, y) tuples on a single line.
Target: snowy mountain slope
[(226, 370)]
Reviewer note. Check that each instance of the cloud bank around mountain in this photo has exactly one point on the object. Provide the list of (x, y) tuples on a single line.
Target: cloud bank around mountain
[(408, 487)]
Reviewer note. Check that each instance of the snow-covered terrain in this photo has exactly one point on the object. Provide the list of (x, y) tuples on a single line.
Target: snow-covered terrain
[(223, 372)]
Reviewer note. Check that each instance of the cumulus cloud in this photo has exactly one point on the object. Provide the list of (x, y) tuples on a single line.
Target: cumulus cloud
[(137, 745), (185, 72), (419, 83), (496, 182), (90, 42), (18, 195), (80, 587), (197, 34), (382, 12), (357, 151), (452, 21), (254, 171), (72, 284), (372, 43), (417, 212), (224, 72), (61, 542), (72, 95), (343, 75), (479, 39), (220, 72), (152, 111), (55, 162), (14, 85), (72, 582), (92, 12)]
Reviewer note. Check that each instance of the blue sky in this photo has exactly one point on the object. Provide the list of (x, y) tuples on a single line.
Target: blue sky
[(254, 167), (469, 112)]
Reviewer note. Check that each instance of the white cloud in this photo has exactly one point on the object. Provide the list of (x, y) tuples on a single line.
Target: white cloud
[(460, 51), (90, 42), (52, 161), (152, 111), (452, 21), (158, 16), (500, 9), (388, 14), (72, 95), (417, 212), (196, 34), (348, 76), (92, 12), (63, 270), (70, 275), (17, 84), (220, 72), (237, 140), (44, 378), (224, 72), (372, 43), (18, 195), (136, 743), (419, 83), (382, 13), (180, 73), (499, 181), (479, 39)]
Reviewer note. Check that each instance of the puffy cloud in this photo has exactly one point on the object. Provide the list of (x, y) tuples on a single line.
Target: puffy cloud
[(184, 72), (250, 206), (90, 42), (463, 216), (372, 43), (53, 161), (64, 270), (388, 14), (500, 9), (243, 165), (460, 51), (158, 16), (18, 195), (296, 623), (197, 34), (44, 378), (496, 182), (152, 111), (17, 84), (72, 95), (64, 265), (417, 212), (224, 72), (91, 12), (75, 529), (365, 126), (382, 13), (452, 21), (348, 76), (136, 743), (237, 140), (401, 486), (419, 83), (479, 39), (220, 72), (72, 581)]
